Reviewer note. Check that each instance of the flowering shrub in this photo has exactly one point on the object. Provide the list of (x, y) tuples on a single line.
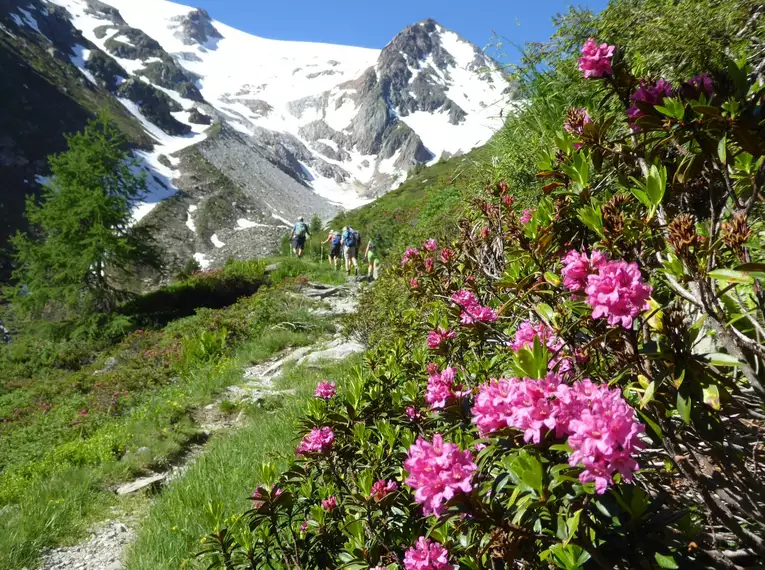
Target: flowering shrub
[(610, 409), (325, 390)]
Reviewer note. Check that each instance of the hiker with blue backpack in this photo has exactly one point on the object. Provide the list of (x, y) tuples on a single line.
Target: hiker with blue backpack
[(334, 238), (298, 236), (351, 239)]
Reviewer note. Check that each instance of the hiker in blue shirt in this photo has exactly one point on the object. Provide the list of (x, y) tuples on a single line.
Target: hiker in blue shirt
[(334, 238), (350, 240), (298, 235)]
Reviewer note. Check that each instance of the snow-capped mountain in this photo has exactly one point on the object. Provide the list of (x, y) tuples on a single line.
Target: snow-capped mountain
[(291, 127)]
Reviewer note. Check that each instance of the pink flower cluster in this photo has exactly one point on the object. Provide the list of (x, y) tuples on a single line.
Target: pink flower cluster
[(575, 121), (472, 311), (600, 425), (319, 440), (325, 390), (409, 255), (527, 216), (329, 504), (446, 255), (596, 59), (525, 404), (427, 555), (430, 245), (617, 292), (524, 338), (528, 331), (702, 83), (440, 388), (650, 95), (437, 471), (382, 489), (430, 264), (259, 494), (615, 289), (414, 283), (604, 437), (577, 267), (438, 337), (413, 413)]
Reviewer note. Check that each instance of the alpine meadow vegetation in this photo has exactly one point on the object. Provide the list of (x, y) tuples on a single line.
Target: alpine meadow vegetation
[(573, 383)]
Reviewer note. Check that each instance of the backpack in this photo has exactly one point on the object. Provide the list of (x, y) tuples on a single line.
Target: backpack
[(350, 238), (301, 229), (356, 236), (336, 237)]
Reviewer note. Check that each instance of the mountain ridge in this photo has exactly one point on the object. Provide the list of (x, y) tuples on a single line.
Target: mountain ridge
[(341, 124)]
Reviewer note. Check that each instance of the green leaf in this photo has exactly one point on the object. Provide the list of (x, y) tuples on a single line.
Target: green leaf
[(648, 395), (592, 217), (684, 408), (731, 276), (712, 397), (665, 561), (572, 524), (722, 359), (722, 149)]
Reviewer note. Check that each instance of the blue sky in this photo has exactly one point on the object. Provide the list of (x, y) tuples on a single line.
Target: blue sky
[(374, 23)]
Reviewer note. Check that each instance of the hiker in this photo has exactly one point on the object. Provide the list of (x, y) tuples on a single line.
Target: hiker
[(334, 238), (298, 235), (350, 241), (371, 254), (4, 334)]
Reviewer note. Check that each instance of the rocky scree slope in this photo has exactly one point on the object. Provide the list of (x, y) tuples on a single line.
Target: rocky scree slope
[(291, 127)]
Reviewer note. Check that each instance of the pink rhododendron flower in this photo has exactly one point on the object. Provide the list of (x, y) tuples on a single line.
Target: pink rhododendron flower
[(651, 95), (427, 555), (446, 255), (472, 311), (325, 390), (437, 471), (618, 293), (577, 267), (604, 438), (430, 264), (508, 200), (527, 216), (329, 504), (702, 83), (430, 245), (440, 388), (304, 526), (319, 440), (432, 368), (413, 413), (382, 489), (524, 338), (414, 283), (599, 423), (596, 59), (409, 254), (439, 336), (257, 496)]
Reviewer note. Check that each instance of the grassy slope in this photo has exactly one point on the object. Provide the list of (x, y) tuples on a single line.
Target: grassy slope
[(70, 432), (226, 475)]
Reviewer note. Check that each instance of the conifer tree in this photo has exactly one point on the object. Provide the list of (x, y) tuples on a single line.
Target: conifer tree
[(81, 241)]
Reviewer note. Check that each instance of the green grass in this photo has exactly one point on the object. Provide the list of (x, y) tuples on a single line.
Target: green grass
[(73, 425), (227, 474)]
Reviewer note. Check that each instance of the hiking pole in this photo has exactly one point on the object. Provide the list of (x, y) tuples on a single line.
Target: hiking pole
[(321, 259)]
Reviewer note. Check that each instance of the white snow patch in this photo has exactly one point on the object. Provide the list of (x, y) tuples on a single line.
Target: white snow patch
[(190, 218), (81, 55), (281, 219), (245, 224), (202, 260), (330, 143), (216, 242), (123, 39)]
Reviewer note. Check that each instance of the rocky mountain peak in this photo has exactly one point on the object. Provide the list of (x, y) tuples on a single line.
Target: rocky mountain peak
[(196, 27), (414, 44)]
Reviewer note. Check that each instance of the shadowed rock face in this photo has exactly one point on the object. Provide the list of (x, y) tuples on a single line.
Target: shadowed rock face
[(155, 105), (196, 28)]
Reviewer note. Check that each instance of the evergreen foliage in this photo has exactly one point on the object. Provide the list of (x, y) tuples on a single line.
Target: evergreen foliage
[(82, 244)]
